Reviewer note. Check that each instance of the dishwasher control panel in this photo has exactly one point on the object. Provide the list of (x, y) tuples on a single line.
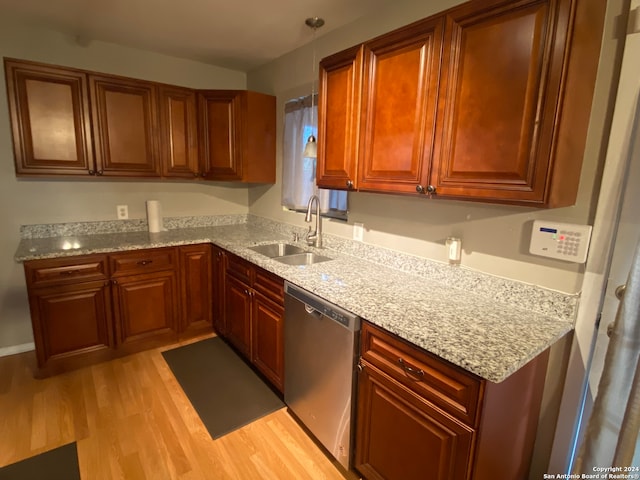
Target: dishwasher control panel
[(315, 304), (564, 241)]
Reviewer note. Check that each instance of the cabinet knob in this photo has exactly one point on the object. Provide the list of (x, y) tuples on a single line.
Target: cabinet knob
[(99, 172), (144, 262), (115, 282), (431, 189), (349, 184), (92, 172), (419, 189), (196, 174)]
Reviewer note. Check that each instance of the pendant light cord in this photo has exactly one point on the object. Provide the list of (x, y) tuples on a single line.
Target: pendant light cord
[(313, 73)]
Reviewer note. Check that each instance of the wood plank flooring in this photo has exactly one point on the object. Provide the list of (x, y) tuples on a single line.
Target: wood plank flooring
[(131, 420)]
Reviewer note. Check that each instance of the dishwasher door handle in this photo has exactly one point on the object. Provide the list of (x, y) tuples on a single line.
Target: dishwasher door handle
[(312, 311)]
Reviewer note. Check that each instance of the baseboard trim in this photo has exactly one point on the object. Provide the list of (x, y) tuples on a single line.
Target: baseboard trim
[(12, 350)]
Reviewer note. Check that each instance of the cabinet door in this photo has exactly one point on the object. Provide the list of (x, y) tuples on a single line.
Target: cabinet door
[(400, 436), (401, 73), (502, 73), (125, 126), (50, 119), (218, 288), (145, 310), (71, 323), (267, 330), (237, 310), (339, 119), (219, 111), (257, 137), (178, 132), (195, 288)]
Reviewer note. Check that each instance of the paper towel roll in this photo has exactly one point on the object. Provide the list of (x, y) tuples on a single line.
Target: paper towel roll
[(154, 216)]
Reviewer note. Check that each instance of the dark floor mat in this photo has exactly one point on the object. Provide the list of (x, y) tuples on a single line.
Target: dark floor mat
[(225, 392), (58, 464)]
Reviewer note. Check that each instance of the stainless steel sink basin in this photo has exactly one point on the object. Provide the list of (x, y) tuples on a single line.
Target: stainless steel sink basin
[(273, 250), (307, 258)]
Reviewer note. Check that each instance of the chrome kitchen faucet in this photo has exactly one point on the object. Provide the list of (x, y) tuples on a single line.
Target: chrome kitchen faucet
[(314, 238)]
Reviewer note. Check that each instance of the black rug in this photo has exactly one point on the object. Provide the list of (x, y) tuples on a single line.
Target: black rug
[(225, 392), (58, 464)]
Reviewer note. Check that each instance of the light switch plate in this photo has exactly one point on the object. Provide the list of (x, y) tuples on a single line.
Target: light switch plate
[(564, 241)]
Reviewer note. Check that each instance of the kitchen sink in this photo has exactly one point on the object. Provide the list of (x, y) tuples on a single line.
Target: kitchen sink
[(307, 258), (273, 250)]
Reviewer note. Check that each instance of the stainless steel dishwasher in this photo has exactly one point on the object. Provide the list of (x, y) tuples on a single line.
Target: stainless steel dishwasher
[(321, 349)]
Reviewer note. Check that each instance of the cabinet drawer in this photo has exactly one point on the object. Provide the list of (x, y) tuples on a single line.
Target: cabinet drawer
[(449, 387), (240, 269), (142, 261), (59, 271), (269, 285)]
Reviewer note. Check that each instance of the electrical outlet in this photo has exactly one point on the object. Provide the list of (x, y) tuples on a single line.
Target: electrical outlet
[(358, 232), (123, 212)]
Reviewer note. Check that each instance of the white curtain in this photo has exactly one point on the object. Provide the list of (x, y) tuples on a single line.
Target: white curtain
[(612, 431), (298, 172)]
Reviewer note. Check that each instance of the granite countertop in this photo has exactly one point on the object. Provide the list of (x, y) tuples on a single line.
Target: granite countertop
[(486, 325)]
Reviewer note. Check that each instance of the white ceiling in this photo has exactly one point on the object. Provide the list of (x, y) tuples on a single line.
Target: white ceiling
[(238, 34)]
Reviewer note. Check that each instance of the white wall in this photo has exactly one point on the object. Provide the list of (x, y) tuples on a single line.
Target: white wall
[(29, 201), (495, 238)]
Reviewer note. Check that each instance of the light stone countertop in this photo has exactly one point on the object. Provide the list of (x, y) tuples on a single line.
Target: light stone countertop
[(487, 325)]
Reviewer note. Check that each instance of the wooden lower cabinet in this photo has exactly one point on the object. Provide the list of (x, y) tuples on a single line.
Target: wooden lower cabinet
[(145, 310), (196, 292), (405, 437), (237, 302), (90, 308), (267, 337), (420, 417), (71, 324), (217, 289), (254, 316)]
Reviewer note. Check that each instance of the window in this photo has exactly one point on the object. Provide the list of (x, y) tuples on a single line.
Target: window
[(298, 172)]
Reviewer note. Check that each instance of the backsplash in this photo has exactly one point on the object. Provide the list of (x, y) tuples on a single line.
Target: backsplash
[(48, 230)]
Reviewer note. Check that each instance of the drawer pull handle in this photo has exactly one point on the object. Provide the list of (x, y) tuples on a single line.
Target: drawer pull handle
[(145, 262), (418, 372), (69, 272)]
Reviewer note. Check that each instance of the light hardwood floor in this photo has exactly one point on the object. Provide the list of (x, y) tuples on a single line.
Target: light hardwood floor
[(131, 420)]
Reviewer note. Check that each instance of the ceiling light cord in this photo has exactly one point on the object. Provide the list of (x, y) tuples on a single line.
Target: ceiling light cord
[(311, 148)]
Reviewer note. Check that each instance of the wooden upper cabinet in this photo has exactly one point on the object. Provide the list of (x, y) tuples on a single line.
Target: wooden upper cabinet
[(125, 126), (178, 132), (500, 95), (401, 72), (377, 111), (68, 121), (237, 135), (479, 102), (50, 119), (339, 119), (218, 112)]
